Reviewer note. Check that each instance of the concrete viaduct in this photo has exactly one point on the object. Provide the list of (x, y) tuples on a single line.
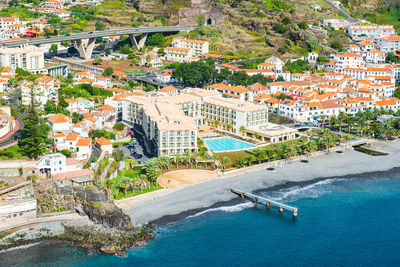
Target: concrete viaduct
[(84, 41)]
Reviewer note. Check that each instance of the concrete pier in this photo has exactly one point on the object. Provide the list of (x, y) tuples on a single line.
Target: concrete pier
[(268, 202)]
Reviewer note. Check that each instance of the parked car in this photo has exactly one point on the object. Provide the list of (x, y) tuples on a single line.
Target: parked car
[(130, 133), (134, 154), (138, 156)]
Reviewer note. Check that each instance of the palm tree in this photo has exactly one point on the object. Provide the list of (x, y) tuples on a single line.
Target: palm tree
[(151, 169), (225, 160), (242, 129), (340, 120), (303, 144), (362, 123), (214, 157), (312, 145), (323, 119), (269, 153), (289, 152), (330, 142), (349, 120), (240, 162), (332, 122), (216, 123), (125, 182), (187, 157), (256, 135), (259, 154), (229, 127), (107, 184), (249, 160)]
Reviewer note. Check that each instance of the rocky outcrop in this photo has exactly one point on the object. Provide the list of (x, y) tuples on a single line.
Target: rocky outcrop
[(94, 204), (108, 215), (212, 14)]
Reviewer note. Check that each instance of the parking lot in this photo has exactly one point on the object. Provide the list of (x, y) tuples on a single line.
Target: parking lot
[(139, 150)]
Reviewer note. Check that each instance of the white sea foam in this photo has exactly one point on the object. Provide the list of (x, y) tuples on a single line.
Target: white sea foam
[(235, 208), (309, 191), (20, 247)]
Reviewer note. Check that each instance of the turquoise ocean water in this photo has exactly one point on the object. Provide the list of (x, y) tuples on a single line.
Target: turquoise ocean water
[(342, 222)]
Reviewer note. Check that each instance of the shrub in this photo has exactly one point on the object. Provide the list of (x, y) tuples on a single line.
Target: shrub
[(66, 153)]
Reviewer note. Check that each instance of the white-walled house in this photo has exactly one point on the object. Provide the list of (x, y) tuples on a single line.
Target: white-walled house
[(60, 123)]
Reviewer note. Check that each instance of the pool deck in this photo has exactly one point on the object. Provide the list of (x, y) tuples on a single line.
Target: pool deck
[(253, 146)]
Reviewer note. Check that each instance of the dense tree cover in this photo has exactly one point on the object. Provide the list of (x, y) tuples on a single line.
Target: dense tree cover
[(397, 92), (298, 66), (198, 74), (101, 133), (83, 90), (195, 74), (280, 28), (119, 127), (156, 39), (35, 131), (51, 108), (108, 71), (99, 26), (322, 59), (337, 45), (53, 48)]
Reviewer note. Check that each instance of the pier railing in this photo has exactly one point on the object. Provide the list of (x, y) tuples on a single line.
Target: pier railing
[(268, 202)]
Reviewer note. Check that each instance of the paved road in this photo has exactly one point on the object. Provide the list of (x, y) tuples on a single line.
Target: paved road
[(95, 34), (344, 13), (12, 101)]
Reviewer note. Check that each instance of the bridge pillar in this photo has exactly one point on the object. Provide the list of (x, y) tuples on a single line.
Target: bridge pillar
[(85, 53), (142, 40)]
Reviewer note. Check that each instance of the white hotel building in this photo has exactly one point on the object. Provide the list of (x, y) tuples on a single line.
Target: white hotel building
[(389, 44), (170, 123), (28, 57), (370, 31)]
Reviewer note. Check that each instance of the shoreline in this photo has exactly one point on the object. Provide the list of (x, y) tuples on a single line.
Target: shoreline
[(174, 205), (165, 220), (182, 202)]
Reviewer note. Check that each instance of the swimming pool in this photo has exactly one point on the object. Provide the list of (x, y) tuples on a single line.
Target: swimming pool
[(226, 144)]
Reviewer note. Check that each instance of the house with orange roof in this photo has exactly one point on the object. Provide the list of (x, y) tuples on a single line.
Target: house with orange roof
[(119, 74), (105, 82), (62, 13), (106, 116), (79, 105), (168, 91), (375, 56), (84, 74), (104, 144), (177, 54), (83, 148), (348, 60), (7, 21), (60, 123), (196, 47), (117, 91), (116, 102), (258, 88), (389, 44), (165, 76)]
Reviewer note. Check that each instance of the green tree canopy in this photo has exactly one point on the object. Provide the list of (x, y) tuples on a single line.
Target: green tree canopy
[(34, 134), (195, 74)]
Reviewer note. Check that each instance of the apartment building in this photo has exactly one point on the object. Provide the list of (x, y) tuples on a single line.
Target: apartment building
[(7, 21), (389, 44), (27, 57), (370, 31), (197, 47), (375, 56), (178, 54), (44, 91)]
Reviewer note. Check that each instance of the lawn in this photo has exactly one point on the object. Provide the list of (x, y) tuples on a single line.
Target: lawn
[(11, 152), (136, 192)]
